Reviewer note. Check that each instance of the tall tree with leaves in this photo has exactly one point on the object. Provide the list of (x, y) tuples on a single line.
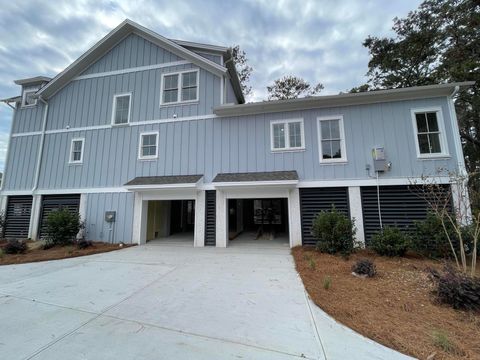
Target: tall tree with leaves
[(244, 70), (438, 42), (291, 87)]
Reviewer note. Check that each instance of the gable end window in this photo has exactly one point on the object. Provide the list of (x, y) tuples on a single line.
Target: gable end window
[(287, 135), (28, 99), (331, 139), (180, 87), (76, 151), (148, 146), (121, 109), (429, 133)]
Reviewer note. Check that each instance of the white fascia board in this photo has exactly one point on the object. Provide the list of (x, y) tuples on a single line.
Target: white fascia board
[(279, 183), (161, 187)]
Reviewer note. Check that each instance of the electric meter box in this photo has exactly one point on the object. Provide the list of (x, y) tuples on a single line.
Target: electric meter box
[(379, 161), (110, 216)]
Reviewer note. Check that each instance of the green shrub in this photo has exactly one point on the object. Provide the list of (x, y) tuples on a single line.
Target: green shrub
[(390, 242), (429, 237), (62, 227), (334, 232)]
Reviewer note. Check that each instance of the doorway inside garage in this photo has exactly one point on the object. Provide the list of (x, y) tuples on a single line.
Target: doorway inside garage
[(258, 221), (171, 221)]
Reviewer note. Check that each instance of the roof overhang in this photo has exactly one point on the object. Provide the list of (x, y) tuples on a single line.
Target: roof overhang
[(126, 28), (256, 179), (314, 102), (33, 80), (13, 99), (175, 182)]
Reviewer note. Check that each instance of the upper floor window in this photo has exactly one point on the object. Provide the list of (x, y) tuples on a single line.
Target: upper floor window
[(179, 87), (331, 139), (429, 133), (148, 148), (28, 99), (76, 151), (287, 135), (121, 109)]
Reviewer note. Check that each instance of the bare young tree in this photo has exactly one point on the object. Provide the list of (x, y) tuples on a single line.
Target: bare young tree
[(464, 222), (291, 87)]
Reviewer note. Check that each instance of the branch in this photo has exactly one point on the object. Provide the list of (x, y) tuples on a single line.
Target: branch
[(470, 138)]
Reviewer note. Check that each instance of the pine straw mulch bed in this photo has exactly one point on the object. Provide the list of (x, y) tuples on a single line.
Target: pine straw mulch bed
[(395, 308), (36, 253)]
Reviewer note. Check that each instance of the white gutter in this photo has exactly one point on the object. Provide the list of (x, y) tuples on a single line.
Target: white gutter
[(40, 147)]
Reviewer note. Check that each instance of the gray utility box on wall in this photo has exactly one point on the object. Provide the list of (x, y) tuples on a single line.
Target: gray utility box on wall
[(110, 216)]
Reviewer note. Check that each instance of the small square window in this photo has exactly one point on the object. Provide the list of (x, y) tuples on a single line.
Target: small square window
[(121, 109), (28, 99), (287, 135), (148, 146), (76, 151)]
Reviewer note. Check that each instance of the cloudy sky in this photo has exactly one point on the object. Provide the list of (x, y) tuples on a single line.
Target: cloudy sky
[(320, 41)]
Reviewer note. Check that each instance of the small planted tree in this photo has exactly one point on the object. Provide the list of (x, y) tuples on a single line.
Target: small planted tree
[(62, 227), (334, 232), (461, 225)]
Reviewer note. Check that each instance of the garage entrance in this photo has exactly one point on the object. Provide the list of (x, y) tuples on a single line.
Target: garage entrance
[(171, 220), (258, 221)]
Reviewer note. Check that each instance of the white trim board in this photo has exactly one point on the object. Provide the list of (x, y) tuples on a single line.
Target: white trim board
[(136, 123), (131, 70)]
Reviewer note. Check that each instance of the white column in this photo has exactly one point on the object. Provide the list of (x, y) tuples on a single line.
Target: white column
[(221, 226), (356, 213), (294, 218), (140, 209), (3, 204), (461, 202), (199, 233), (35, 217)]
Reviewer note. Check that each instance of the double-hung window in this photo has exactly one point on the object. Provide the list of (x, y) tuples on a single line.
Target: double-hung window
[(121, 109), (148, 148), (179, 87), (331, 139), (429, 133), (76, 151), (287, 135)]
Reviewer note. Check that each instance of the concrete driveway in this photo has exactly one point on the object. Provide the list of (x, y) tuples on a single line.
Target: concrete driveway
[(170, 302)]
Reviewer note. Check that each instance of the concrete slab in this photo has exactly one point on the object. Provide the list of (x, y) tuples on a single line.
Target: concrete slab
[(27, 326), (130, 340), (90, 286)]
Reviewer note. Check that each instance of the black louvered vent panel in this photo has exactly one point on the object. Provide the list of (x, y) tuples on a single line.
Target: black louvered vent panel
[(19, 209), (400, 206), (55, 202), (314, 200), (210, 217)]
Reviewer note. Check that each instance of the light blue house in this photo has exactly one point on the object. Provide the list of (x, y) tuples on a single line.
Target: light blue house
[(150, 138)]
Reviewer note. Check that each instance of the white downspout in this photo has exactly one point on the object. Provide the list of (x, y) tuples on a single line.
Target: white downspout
[(42, 141)]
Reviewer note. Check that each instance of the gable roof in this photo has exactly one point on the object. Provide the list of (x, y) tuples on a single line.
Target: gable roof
[(113, 38)]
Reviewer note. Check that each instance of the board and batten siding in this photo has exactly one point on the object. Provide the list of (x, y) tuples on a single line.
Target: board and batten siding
[(22, 158), (27, 119), (89, 102), (133, 51), (97, 228), (242, 144)]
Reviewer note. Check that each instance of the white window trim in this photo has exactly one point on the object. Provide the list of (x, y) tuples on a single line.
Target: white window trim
[(24, 97), (140, 145), (71, 161), (179, 85), (114, 108), (441, 126), (287, 135), (343, 146)]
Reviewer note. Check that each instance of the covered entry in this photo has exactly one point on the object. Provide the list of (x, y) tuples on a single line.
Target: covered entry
[(257, 208), (168, 208), (171, 220)]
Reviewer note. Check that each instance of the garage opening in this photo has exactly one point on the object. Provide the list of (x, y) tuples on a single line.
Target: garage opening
[(258, 221), (171, 221)]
